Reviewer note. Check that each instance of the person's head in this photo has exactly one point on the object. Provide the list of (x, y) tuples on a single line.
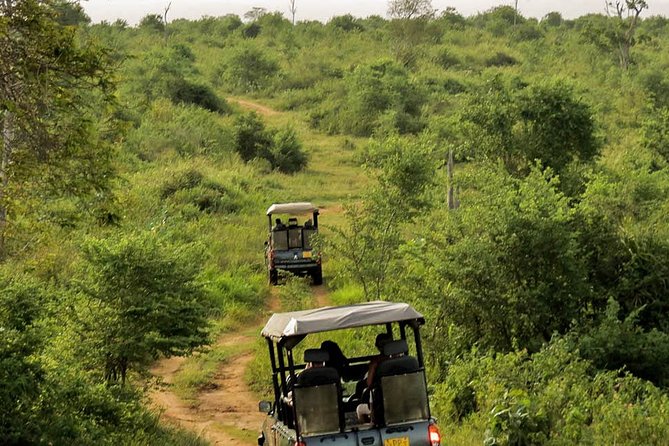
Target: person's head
[(381, 339), (337, 358), (278, 221)]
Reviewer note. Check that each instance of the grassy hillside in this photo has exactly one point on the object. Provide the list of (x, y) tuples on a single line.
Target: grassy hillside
[(135, 207)]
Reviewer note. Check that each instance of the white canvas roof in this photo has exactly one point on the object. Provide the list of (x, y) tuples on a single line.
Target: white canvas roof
[(296, 323), (291, 208)]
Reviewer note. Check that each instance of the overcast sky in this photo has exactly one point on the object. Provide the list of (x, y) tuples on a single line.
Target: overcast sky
[(134, 10)]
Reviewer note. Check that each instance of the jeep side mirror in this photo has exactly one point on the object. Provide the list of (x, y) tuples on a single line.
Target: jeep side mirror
[(265, 406), (266, 243)]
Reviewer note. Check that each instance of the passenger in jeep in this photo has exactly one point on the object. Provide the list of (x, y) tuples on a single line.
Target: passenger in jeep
[(364, 386)]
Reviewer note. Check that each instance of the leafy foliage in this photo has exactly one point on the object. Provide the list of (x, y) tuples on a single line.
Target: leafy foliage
[(248, 68), (543, 122), (150, 301), (280, 148)]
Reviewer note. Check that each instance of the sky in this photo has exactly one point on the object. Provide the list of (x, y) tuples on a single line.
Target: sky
[(133, 10)]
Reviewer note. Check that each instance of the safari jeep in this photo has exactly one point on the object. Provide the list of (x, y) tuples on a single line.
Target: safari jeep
[(328, 400), (288, 246)]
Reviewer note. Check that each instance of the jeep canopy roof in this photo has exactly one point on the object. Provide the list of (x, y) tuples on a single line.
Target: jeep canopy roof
[(300, 323), (291, 208)]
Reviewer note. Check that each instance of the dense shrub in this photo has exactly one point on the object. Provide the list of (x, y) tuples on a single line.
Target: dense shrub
[(147, 300), (377, 95), (500, 60), (185, 130), (247, 68), (197, 94), (192, 188), (550, 398), (281, 148), (656, 133), (614, 344), (287, 154)]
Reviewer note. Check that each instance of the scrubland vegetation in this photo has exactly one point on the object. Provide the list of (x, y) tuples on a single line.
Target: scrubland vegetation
[(132, 198)]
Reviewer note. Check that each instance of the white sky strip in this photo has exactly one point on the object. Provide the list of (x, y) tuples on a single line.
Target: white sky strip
[(133, 10)]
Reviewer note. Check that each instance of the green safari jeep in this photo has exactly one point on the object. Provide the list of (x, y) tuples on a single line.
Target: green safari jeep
[(288, 246)]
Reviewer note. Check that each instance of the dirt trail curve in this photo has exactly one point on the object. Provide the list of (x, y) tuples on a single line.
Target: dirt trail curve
[(226, 411), (261, 109), (223, 413)]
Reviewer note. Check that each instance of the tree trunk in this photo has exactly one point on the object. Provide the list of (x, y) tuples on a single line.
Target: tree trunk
[(451, 196), (7, 148)]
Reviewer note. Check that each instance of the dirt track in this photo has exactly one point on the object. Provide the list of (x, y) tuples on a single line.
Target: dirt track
[(224, 414), (261, 109)]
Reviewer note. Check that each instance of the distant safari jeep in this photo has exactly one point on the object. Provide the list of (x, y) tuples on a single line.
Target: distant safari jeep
[(288, 246), (378, 399)]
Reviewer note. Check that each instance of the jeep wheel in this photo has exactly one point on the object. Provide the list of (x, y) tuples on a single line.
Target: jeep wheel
[(317, 276), (273, 277)]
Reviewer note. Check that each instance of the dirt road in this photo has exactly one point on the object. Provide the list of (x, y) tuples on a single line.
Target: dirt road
[(254, 106), (226, 413)]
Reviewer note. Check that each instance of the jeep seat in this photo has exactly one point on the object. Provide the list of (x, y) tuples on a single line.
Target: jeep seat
[(388, 381), (317, 376), (317, 396)]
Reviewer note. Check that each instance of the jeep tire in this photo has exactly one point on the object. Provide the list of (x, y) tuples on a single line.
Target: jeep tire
[(273, 276), (317, 275)]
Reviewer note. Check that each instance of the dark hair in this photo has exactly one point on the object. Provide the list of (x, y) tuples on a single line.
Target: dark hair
[(381, 339), (337, 358)]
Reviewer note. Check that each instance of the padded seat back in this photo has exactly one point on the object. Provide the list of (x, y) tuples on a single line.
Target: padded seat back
[(398, 363), (318, 402), (317, 375)]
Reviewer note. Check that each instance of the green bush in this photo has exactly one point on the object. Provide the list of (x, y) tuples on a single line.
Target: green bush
[(251, 138), (185, 92), (614, 344), (280, 148), (374, 94), (287, 154), (182, 129), (147, 299), (247, 68), (500, 60), (550, 398)]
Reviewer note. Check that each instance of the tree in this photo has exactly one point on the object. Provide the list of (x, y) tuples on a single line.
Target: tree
[(410, 9), (71, 13), (287, 154), (409, 27), (52, 88), (626, 20), (369, 243), (248, 68), (656, 133), (504, 271), (292, 9), (545, 122), (21, 374), (152, 22), (252, 140), (147, 300)]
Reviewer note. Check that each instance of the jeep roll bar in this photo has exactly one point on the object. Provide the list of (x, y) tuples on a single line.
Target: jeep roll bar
[(293, 209)]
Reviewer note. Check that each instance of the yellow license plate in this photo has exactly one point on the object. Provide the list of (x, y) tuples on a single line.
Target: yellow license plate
[(402, 441), (306, 254)]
